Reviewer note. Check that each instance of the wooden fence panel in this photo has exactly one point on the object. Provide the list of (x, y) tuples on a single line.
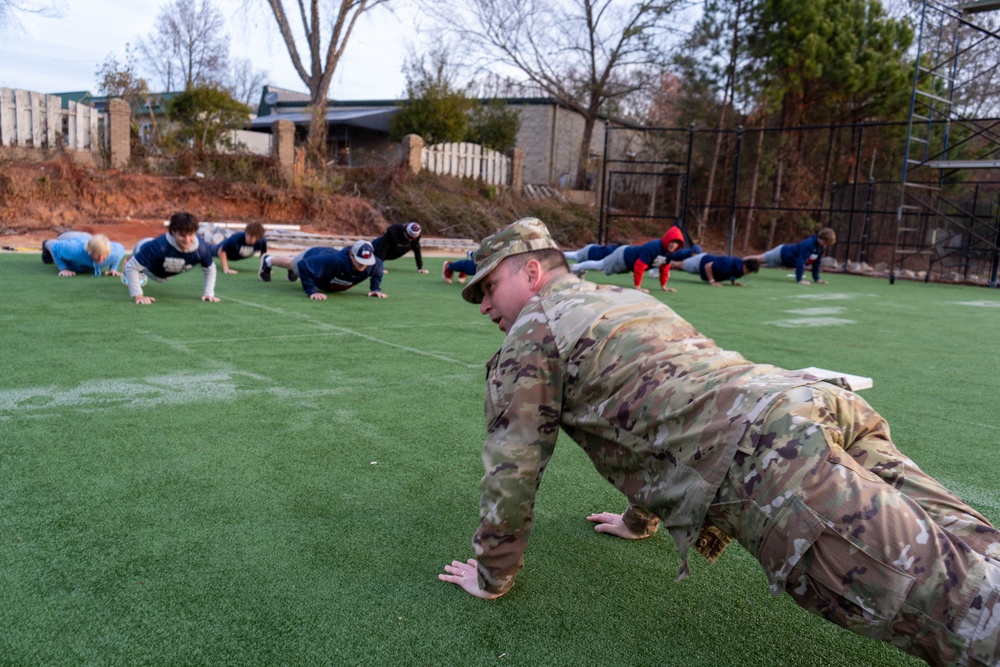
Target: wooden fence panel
[(36, 120), (69, 139), (7, 116), (465, 160), (82, 127), (53, 120), (22, 112), (95, 143)]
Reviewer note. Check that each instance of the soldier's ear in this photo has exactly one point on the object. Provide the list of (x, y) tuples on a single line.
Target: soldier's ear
[(534, 273)]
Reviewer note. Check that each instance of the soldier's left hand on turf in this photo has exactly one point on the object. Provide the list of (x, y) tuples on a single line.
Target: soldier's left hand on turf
[(466, 576), (612, 524)]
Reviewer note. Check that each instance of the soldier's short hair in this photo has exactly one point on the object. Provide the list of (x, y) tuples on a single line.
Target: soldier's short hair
[(548, 258)]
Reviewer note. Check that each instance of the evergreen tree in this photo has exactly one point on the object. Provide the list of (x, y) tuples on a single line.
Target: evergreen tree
[(205, 115), (494, 125), (435, 107)]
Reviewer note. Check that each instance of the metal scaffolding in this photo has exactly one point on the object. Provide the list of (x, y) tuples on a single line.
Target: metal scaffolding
[(931, 227)]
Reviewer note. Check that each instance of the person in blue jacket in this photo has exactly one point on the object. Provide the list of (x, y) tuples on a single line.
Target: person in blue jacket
[(636, 259), (240, 246), (592, 252), (714, 269), (168, 255), (463, 267), (800, 256), (323, 269), (80, 252)]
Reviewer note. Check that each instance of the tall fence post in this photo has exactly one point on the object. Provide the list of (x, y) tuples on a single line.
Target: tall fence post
[(602, 219), (736, 188), (516, 156), (283, 148), (866, 229), (995, 264), (687, 180), (119, 133), (413, 146)]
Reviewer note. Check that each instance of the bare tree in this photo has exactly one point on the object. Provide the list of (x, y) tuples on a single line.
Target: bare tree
[(322, 36), (587, 54), (189, 45), (9, 9), (244, 82), (122, 79)]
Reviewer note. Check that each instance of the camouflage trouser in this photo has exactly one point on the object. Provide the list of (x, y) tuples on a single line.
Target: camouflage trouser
[(855, 532)]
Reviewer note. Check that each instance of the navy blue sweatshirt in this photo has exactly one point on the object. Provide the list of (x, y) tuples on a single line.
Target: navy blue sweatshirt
[(724, 267), (803, 254), (236, 247), (331, 270), (394, 243), (163, 260)]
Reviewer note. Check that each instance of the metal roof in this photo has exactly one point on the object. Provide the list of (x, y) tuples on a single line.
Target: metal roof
[(975, 6), (369, 119)]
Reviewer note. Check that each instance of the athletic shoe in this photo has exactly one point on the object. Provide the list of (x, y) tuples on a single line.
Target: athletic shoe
[(461, 278), (142, 279), (46, 255), (292, 276), (264, 271), (446, 272)]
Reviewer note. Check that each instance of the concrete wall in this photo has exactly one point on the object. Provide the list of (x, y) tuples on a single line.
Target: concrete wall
[(550, 136)]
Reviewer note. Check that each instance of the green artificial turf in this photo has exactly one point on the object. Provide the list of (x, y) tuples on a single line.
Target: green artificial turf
[(271, 480)]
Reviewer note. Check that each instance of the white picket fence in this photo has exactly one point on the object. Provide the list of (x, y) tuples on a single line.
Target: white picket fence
[(35, 120), (467, 161)]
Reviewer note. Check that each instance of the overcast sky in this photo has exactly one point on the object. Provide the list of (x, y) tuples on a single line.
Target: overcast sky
[(61, 54)]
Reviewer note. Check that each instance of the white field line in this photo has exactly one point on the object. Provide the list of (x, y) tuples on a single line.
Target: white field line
[(804, 322), (808, 312), (180, 388), (925, 415), (353, 332), (978, 304), (827, 296)]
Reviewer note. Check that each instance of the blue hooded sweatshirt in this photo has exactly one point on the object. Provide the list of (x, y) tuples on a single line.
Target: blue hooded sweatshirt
[(804, 254), (71, 255)]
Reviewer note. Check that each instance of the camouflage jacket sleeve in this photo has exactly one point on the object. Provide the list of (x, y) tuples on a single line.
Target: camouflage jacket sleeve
[(523, 406)]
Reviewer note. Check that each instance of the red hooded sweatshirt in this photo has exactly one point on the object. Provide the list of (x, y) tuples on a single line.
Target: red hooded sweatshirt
[(641, 257)]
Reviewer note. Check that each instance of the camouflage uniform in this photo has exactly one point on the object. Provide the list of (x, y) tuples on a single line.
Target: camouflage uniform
[(711, 445), (855, 532)]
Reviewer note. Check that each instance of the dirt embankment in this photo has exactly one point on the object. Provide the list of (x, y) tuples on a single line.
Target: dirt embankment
[(40, 200)]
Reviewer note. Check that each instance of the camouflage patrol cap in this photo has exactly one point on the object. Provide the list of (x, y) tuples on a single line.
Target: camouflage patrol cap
[(525, 235)]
